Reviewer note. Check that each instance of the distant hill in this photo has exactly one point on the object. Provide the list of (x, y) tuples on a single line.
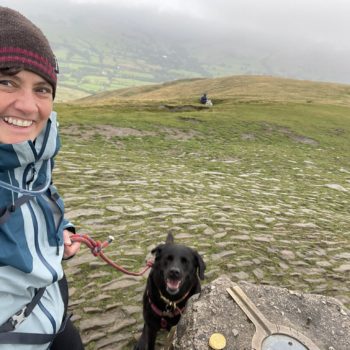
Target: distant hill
[(240, 88)]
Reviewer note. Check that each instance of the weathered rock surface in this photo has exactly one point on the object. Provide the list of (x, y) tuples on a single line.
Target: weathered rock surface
[(322, 319)]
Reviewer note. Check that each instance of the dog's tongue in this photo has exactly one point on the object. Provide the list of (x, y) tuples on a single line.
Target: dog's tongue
[(173, 284)]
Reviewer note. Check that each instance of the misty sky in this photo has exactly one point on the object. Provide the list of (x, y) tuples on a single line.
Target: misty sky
[(322, 21), (319, 21), (290, 30)]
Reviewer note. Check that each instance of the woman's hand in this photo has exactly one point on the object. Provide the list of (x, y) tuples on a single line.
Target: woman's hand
[(70, 248)]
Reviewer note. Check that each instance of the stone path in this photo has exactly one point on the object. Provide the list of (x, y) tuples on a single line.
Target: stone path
[(288, 229)]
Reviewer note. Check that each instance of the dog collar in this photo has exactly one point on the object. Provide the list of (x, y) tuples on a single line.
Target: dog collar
[(173, 304), (167, 313), (171, 309), (163, 314)]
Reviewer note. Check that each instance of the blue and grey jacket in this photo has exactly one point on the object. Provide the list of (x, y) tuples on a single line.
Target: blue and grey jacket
[(31, 237)]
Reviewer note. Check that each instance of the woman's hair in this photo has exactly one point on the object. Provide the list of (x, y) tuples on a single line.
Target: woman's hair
[(11, 70)]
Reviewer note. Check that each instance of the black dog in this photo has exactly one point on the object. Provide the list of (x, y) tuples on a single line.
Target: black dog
[(174, 278)]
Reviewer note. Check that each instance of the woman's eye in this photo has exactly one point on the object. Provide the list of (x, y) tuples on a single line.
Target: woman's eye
[(6, 82), (44, 90)]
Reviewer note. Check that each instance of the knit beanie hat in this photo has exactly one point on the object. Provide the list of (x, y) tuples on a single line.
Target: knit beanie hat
[(22, 44)]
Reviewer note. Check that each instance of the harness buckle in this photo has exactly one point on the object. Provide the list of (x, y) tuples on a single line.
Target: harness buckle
[(18, 317)]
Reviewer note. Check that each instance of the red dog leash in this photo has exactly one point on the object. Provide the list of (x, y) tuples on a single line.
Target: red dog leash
[(97, 247)]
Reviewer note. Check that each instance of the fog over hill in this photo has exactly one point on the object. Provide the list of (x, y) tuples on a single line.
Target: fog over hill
[(105, 45)]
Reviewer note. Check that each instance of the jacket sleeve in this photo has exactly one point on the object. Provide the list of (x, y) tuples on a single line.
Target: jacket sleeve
[(67, 225)]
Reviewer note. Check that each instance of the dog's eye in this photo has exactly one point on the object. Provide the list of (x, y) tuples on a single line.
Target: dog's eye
[(170, 258), (184, 261)]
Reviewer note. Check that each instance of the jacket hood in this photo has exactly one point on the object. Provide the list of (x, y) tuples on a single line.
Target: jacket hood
[(45, 146)]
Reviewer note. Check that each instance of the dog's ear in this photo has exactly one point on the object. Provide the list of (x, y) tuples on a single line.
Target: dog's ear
[(169, 239), (157, 250), (200, 265)]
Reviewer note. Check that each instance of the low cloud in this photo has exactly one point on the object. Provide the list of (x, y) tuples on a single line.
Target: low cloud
[(312, 33)]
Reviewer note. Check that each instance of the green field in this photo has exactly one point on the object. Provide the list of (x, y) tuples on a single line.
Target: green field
[(260, 189)]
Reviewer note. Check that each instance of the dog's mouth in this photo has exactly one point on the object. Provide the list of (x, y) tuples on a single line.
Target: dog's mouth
[(173, 286)]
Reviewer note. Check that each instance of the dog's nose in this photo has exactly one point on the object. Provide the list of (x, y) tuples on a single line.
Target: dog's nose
[(174, 273)]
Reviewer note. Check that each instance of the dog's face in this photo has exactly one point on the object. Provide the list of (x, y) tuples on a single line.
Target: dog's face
[(176, 267)]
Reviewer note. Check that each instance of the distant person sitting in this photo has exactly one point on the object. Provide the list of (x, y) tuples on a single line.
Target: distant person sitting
[(203, 100)]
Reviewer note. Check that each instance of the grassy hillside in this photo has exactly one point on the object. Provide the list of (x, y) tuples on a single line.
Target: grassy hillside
[(259, 185), (231, 89)]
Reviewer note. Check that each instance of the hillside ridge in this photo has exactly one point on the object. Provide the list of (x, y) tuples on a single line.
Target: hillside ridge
[(239, 87)]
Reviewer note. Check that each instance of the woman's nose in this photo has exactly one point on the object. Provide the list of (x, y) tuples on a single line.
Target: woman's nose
[(26, 101)]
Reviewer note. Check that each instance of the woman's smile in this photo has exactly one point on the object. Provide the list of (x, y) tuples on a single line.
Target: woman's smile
[(18, 122)]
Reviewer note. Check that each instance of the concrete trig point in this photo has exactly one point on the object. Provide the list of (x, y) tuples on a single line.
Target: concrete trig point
[(262, 317), (269, 336)]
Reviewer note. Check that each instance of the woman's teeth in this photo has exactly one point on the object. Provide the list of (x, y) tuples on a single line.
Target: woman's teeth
[(18, 122)]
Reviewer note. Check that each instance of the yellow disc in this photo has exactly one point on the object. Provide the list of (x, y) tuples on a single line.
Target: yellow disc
[(217, 341)]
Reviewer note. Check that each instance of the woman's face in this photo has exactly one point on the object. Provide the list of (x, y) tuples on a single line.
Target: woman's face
[(25, 106)]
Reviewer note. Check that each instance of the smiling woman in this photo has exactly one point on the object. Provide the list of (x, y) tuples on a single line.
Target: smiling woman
[(28, 78), (34, 235)]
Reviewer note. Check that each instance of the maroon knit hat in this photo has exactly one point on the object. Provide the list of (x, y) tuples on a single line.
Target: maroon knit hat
[(22, 44)]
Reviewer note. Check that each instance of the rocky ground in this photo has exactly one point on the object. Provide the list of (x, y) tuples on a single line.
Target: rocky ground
[(250, 315), (250, 224)]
